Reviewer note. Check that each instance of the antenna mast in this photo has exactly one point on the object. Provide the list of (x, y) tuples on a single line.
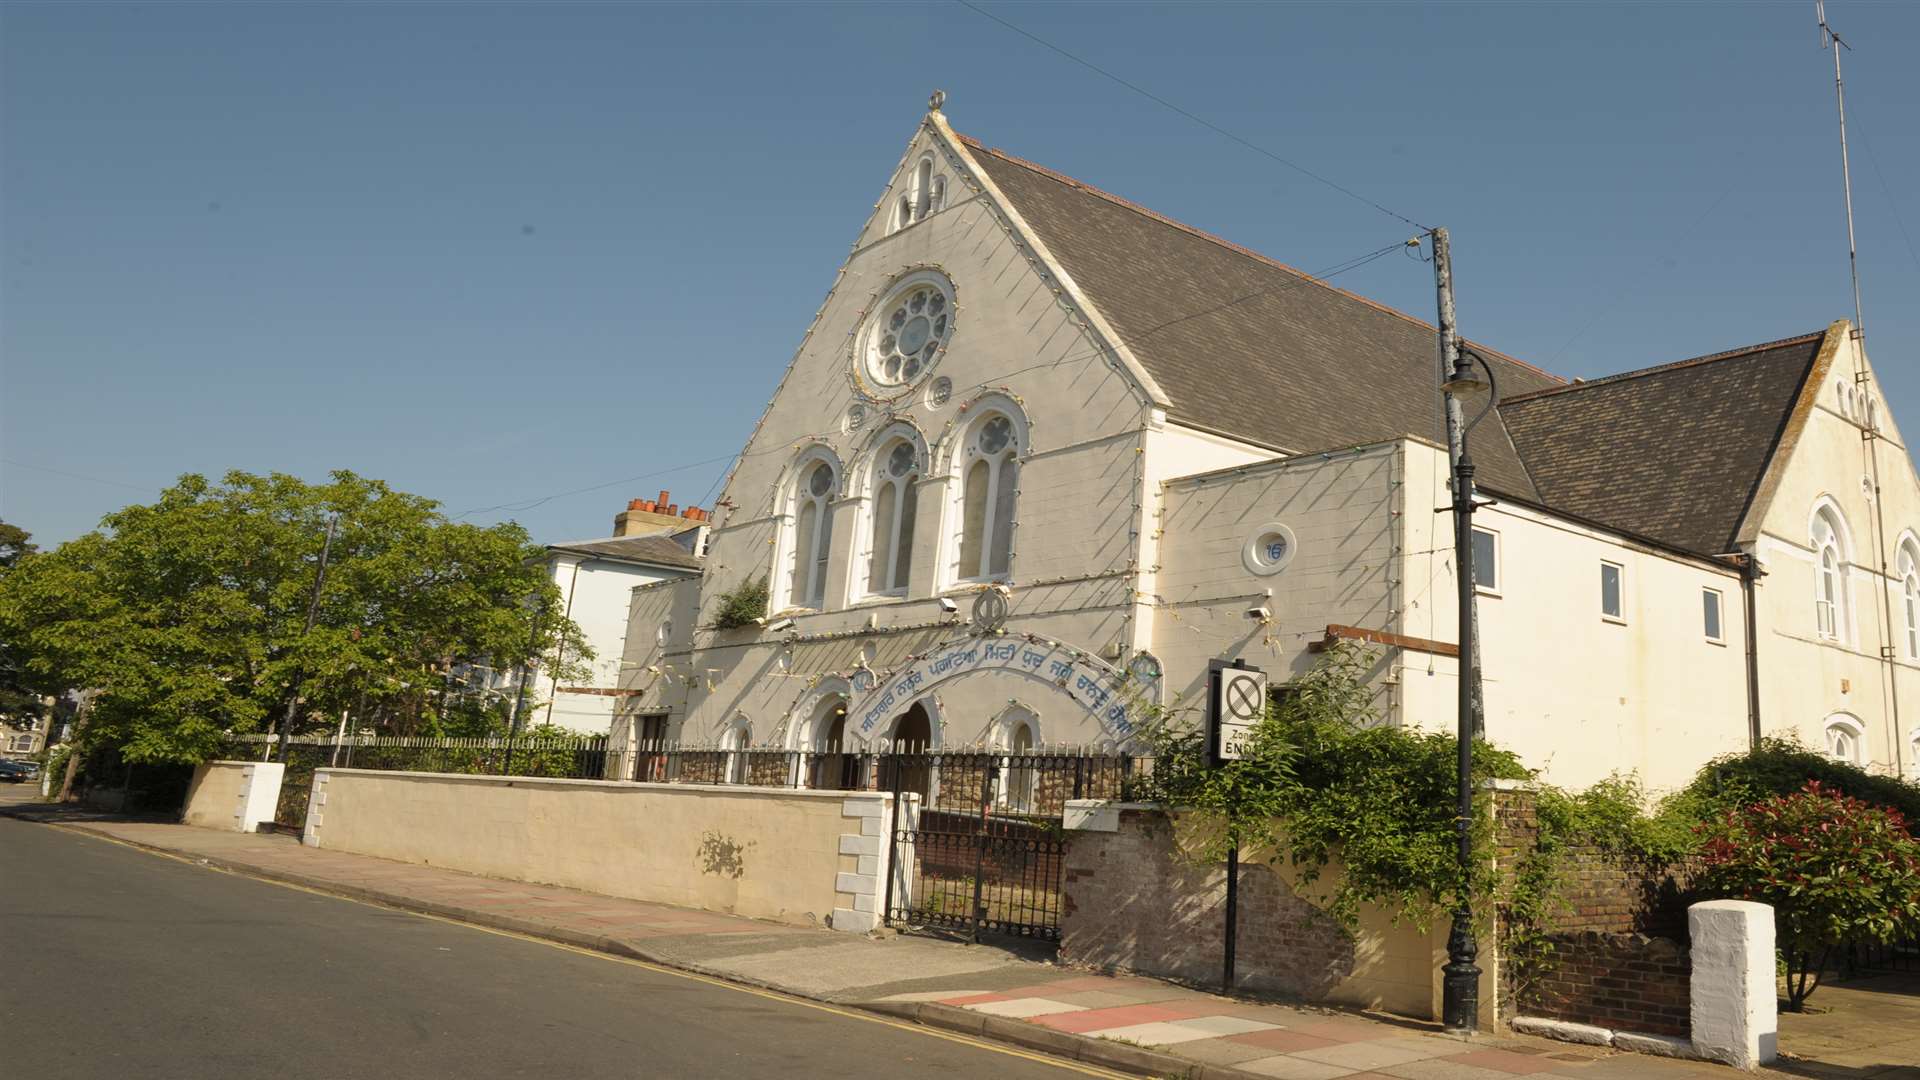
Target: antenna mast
[(1834, 42)]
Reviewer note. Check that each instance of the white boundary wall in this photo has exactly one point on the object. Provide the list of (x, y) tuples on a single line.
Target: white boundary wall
[(803, 857)]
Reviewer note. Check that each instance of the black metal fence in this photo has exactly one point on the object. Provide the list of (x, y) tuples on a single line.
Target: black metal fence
[(1875, 957)]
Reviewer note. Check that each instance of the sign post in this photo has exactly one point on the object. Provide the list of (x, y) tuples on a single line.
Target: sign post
[(1236, 701)]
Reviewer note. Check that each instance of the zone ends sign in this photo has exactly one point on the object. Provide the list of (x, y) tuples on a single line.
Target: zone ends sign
[(1238, 702)]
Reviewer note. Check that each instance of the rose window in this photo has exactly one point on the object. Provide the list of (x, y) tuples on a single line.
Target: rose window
[(912, 330)]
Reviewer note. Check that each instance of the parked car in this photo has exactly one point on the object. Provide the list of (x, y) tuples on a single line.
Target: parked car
[(19, 772)]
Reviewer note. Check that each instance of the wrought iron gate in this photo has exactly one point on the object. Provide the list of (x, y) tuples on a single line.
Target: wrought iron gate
[(978, 843)]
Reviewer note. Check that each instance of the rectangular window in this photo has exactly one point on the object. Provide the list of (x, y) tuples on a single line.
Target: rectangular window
[(1710, 605), (1486, 560), (1611, 577)]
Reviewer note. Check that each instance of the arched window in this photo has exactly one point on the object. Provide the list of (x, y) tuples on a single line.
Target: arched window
[(1831, 615), (1910, 596), (813, 490), (1846, 739), (896, 469), (735, 742), (990, 481)]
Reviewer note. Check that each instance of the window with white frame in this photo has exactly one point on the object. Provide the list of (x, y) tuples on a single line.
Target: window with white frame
[(1910, 597), (990, 478), (1831, 617), (1846, 739), (923, 197), (1486, 560), (814, 486), (1710, 616), (896, 472), (1613, 583)]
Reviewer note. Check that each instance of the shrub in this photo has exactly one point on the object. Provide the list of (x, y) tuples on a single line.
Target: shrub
[(744, 606), (1835, 869), (1783, 766)]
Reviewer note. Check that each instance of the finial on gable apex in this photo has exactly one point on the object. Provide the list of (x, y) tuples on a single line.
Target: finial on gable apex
[(938, 99)]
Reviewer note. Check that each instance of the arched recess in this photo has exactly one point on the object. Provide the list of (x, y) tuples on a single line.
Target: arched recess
[(809, 492), (1907, 588), (891, 473), (1016, 730), (1844, 738), (1832, 544), (983, 464), (737, 740)]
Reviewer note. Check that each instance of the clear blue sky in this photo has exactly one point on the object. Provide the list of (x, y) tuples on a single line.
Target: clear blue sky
[(490, 253)]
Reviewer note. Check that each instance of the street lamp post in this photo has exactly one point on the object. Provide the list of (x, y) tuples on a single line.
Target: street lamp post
[(1460, 976)]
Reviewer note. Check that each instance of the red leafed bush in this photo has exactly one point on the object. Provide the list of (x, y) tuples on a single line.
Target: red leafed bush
[(1835, 869)]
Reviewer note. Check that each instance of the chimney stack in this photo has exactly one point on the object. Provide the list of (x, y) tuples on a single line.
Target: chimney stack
[(654, 515)]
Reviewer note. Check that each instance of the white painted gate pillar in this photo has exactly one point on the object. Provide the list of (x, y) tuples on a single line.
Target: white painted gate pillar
[(1735, 1005)]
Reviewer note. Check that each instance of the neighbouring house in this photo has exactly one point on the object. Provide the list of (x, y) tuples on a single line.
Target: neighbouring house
[(654, 541), (23, 735), (1044, 453)]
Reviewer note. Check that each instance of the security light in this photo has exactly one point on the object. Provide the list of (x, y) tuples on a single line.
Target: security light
[(783, 624), (947, 605)]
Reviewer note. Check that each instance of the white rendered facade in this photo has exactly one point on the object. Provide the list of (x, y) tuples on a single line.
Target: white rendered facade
[(902, 470)]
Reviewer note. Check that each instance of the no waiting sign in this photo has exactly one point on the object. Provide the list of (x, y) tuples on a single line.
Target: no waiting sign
[(1238, 702)]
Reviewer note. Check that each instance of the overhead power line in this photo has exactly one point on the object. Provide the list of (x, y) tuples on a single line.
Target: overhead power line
[(1342, 267), (1201, 120)]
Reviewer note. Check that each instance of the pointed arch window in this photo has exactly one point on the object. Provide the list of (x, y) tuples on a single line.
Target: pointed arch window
[(1910, 597), (1846, 739), (895, 504), (1831, 616), (990, 484), (812, 547)]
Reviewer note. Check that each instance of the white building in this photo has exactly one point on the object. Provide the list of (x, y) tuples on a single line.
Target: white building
[(1043, 454), (654, 542)]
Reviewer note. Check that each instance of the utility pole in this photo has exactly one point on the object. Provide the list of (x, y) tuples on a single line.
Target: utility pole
[(313, 612), (1460, 982)]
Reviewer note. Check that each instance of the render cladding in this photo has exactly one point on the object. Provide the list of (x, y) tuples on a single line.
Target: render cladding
[(1244, 345), (1340, 508), (1018, 344), (1673, 453), (1806, 680)]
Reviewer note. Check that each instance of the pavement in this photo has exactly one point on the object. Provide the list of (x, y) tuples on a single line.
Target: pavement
[(1135, 1025)]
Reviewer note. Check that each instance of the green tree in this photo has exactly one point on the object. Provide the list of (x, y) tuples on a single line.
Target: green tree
[(1835, 869), (187, 615), (17, 699)]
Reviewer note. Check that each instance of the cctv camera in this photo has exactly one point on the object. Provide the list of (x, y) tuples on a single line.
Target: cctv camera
[(1260, 613), (947, 605), (783, 624)]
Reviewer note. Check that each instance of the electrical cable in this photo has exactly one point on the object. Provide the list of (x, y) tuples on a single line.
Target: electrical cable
[(1202, 121), (785, 447)]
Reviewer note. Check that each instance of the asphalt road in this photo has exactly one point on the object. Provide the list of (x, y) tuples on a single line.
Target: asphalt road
[(117, 963)]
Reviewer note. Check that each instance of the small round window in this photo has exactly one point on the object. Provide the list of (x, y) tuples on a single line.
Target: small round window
[(910, 329), (1269, 549)]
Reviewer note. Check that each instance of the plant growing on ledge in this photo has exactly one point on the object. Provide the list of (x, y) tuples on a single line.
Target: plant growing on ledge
[(1836, 870), (744, 606)]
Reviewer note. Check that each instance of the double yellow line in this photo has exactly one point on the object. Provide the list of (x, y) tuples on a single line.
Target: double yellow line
[(772, 995)]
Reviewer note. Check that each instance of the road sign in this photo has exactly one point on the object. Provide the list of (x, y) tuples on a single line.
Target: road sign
[(1238, 701)]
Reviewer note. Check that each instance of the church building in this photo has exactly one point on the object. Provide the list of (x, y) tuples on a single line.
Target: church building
[(1044, 453)]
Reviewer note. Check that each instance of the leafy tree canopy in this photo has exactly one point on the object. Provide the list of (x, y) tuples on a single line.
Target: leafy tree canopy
[(17, 700), (187, 614)]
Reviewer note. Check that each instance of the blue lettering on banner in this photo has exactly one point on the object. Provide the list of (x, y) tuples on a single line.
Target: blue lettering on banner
[(1093, 690)]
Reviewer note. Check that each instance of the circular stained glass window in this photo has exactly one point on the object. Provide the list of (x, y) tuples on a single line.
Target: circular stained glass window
[(912, 327), (821, 481)]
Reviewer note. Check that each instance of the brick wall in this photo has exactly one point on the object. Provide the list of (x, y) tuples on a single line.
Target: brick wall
[(1619, 947), (1133, 904)]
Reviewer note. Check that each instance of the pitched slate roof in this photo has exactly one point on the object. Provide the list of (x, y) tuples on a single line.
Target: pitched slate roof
[(1244, 345), (654, 549), (1672, 453)]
